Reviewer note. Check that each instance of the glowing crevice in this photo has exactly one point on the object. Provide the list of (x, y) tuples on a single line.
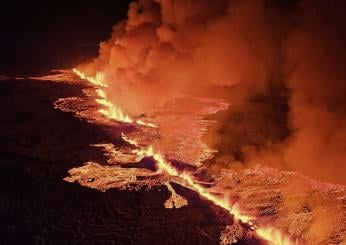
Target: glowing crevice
[(109, 109), (271, 235), (98, 80)]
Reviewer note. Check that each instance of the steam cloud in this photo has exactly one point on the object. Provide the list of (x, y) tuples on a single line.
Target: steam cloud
[(246, 51), (316, 76)]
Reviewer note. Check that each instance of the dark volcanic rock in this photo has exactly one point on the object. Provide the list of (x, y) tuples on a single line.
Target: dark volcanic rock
[(39, 145)]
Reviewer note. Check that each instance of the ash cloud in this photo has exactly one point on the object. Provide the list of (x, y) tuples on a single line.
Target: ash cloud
[(168, 48), (281, 67), (315, 55)]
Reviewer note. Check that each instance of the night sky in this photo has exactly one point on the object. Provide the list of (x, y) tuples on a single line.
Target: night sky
[(40, 35)]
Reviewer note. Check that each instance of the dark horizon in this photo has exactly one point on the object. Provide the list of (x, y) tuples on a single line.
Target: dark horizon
[(41, 35)]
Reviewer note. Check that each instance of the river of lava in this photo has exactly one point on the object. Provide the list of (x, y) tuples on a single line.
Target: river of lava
[(145, 148)]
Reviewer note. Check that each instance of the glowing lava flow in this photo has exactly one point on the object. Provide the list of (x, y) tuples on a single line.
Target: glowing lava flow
[(271, 235), (98, 80), (164, 166), (110, 110)]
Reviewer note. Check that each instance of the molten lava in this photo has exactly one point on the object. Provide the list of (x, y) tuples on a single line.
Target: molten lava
[(98, 80), (111, 111), (271, 235)]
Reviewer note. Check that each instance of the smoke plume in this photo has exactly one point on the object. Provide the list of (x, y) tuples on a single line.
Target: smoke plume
[(315, 55), (279, 65)]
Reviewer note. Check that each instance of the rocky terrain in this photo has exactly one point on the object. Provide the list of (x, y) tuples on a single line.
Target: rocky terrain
[(66, 179), (39, 144)]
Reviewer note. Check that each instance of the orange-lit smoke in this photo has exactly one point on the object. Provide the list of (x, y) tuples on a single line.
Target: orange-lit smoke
[(312, 140), (238, 50), (270, 234), (169, 48), (315, 66)]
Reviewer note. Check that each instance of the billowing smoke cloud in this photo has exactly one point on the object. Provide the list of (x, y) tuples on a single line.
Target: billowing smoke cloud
[(279, 65), (316, 76), (168, 48)]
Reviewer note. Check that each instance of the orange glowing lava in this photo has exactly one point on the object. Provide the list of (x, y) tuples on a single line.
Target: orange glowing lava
[(98, 80), (165, 166), (271, 235), (111, 111)]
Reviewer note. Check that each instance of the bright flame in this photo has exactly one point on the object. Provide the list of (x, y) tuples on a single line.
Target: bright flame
[(110, 110), (140, 122), (98, 80), (272, 236), (101, 93), (128, 140), (165, 166), (113, 112)]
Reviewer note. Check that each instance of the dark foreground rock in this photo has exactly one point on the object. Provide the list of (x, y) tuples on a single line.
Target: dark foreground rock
[(39, 145)]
